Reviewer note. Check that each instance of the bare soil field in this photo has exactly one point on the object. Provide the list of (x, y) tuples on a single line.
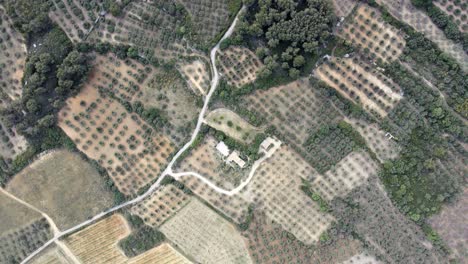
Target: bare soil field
[(407, 13), (209, 17), (12, 60), (276, 189), (153, 87), (370, 33), (351, 172), (197, 75), (16, 244), (98, 244), (355, 80), (383, 147), (129, 149), (239, 65), (457, 10), (161, 205), (207, 161), (235, 206), (362, 258), (52, 255), (232, 125), (269, 243), (450, 224), (205, 236), (295, 110), (343, 8), (55, 184)]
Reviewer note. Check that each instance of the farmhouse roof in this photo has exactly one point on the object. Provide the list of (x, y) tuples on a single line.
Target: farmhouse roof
[(222, 148), (234, 157)]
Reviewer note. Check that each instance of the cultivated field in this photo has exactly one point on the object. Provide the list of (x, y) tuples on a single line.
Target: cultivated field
[(362, 258), (16, 244), (370, 33), (232, 125), (383, 147), (205, 236), (153, 87), (418, 19), (269, 243), (128, 148), (207, 161), (276, 188), (343, 8), (11, 143), (295, 110), (55, 184), (52, 255), (357, 81), (450, 224), (98, 244), (235, 206), (457, 10), (197, 75), (210, 17), (239, 65), (12, 60), (351, 172), (161, 205)]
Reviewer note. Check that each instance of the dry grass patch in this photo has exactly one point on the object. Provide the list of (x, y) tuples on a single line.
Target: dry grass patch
[(14, 214), (349, 173), (276, 188), (17, 244), (356, 80), (52, 255), (197, 75), (55, 184), (295, 110), (98, 244), (12, 60), (369, 32), (161, 205), (129, 149), (205, 236), (457, 10), (239, 65), (207, 161), (232, 125), (153, 87), (362, 258), (269, 243), (376, 139), (418, 19), (450, 224)]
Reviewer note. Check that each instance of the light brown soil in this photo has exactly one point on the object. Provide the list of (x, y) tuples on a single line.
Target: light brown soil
[(354, 79), (362, 258), (205, 236), (370, 33), (232, 125), (343, 8), (239, 65), (14, 215), (52, 255), (55, 184), (161, 205), (450, 224), (130, 150)]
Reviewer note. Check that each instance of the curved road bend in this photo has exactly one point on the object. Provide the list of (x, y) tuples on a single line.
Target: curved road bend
[(168, 170)]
